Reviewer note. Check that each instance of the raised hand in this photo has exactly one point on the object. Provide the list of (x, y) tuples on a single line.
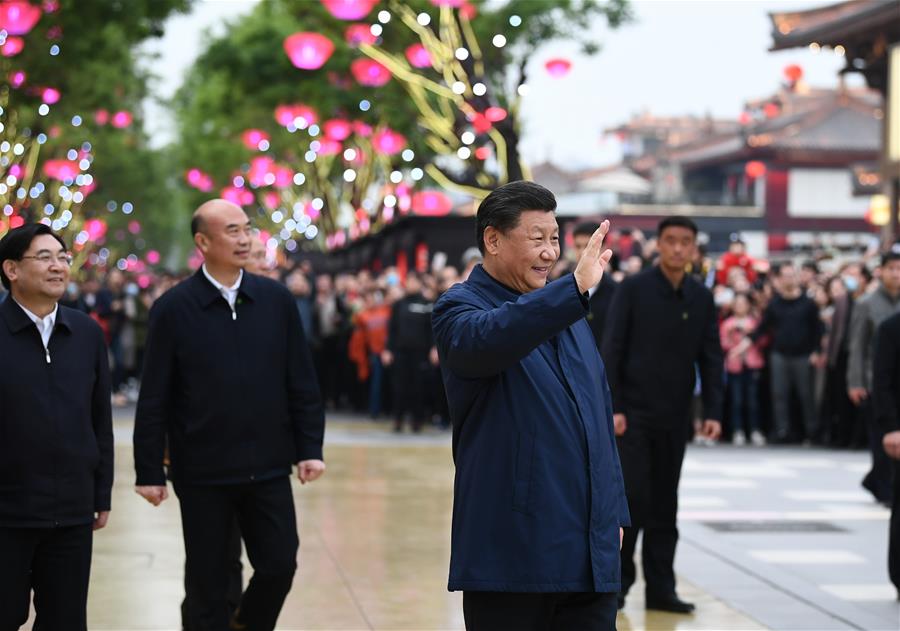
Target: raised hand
[(593, 260)]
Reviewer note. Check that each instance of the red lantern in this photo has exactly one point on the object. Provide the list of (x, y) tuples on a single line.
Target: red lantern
[(468, 11), (61, 170), (50, 96), (153, 257), (357, 34), (481, 124), (12, 46), (253, 137), (95, 228), (431, 203), (558, 67), (745, 118), (362, 129), (388, 142), (101, 117), (239, 196), (418, 56), (793, 73), (337, 129), (16, 221), (755, 169), (284, 177), (483, 153), (17, 78), (329, 147), (495, 114), (349, 9), (121, 119), (370, 73), (261, 167), (308, 51), (199, 180), (18, 17), (771, 110)]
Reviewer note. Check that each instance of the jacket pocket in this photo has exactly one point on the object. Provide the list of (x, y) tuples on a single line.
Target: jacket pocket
[(524, 469)]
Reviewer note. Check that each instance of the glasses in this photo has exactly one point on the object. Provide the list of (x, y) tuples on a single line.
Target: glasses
[(46, 258)]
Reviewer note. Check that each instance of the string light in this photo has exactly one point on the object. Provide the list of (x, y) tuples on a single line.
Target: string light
[(499, 40), (424, 19), (479, 89)]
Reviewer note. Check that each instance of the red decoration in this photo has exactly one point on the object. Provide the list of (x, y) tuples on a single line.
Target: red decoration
[(495, 114), (418, 56), (349, 9), (329, 147), (121, 119), (153, 257), (558, 67), (388, 142), (453, 4), (284, 177), (755, 169), (370, 73), (199, 180), (50, 96), (483, 153), (468, 11), (337, 129), (17, 78), (745, 118), (357, 34), (793, 73), (95, 228), (362, 129), (253, 137), (308, 51), (16, 221), (260, 168), (422, 257), (101, 117), (18, 17), (12, 46), (431, 203), (61, 170), (771, 110), (287, 114), (239, 196), (481, 124)]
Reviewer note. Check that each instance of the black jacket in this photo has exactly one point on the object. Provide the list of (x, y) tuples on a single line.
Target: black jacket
[(410, 325), (600, 304), (795, 325), (655, 335), (236, 397), (886, 374), (56, 440)]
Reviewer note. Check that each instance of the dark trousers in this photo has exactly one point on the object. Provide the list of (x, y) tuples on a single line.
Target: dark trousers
[(792, 374), (515, 611), (56, 564), (894, 538), (327, 358), (235, 578), (410, 372), (651, 466), (743, 393), (265, 513), (878, 480)]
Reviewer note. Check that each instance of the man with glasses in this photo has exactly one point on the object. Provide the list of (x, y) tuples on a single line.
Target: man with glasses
[(230, 387), (56, 456)]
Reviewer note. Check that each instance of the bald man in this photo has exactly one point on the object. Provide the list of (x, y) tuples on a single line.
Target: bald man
[(230, 387)]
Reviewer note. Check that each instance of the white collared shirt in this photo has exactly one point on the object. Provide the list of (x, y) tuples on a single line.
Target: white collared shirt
[(44, 325), (229, 293)]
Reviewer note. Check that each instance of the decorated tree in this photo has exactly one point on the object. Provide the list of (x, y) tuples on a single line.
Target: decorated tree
[(72, 152), (363, 106)]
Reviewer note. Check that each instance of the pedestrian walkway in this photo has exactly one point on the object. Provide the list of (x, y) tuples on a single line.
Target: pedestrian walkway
[(375, 542)]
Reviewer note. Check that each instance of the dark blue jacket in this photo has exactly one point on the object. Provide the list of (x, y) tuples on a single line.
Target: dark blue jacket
[(538, 497), (56, 438)]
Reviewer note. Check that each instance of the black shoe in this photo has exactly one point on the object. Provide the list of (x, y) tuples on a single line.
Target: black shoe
[(671, 603), (620, 601)]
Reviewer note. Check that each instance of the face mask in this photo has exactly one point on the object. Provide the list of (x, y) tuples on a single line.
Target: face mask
[(851, 283)]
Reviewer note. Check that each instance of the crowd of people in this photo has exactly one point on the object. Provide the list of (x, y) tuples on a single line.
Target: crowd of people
[(797, 334)]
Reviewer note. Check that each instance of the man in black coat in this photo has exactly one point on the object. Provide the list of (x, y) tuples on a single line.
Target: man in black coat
[(230, 387), (601, 295), (661, 325), (408, 346), (886, 391), (56, 456)]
